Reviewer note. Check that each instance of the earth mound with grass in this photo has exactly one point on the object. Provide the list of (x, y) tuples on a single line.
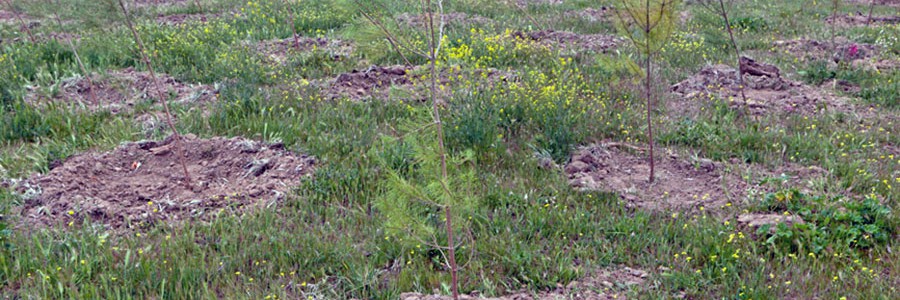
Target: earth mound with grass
[(183, 19), (680, 184), (142, 183), (279, 52), (861, 19), (767, 91), (119, 91), (449, 19), (569, 41), (605, 284)]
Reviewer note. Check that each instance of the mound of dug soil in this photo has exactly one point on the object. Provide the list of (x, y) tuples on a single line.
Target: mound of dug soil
[(860, 19), (570, 41), (845, 52), (412, 83), (450, 19), (159, 2), (765, 89), (604, 284), (591, 14), (183, 19), (279, 51), (119, 91), (679, 185), (372, 82), (11, 18), (141, 183)]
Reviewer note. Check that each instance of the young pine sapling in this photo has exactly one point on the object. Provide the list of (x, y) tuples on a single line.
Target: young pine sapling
[(648, 25)]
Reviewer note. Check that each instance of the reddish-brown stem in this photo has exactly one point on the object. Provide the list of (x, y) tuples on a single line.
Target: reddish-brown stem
[(647, 29), (433, 45), (737, 51), (162, 96), (21, 21), (290, 11), (869, 18)]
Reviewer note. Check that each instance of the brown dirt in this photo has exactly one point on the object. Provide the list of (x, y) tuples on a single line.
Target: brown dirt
[(450, 19), (569, 41), (141, 183), (411, 83), (279, 51), (183, 19), (604, 284), (9, 18), (891, 3), (373, 82), (141, 3), (860, 19), (808, 50), (766, 93), (119, 91), (526, 3), (601, 14), (680, 185)]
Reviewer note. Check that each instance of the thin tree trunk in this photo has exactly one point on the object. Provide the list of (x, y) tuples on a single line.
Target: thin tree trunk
[(84, 71), (21, 21), (737, 52), (451, 247), (648, 88), (869, 18), (293, 26), (162, 96)]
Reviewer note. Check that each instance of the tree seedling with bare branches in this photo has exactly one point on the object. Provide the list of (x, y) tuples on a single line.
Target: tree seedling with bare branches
[(648, 25), (77, 57), (21, 21), (290, 10), (718, 7), (160, 93)]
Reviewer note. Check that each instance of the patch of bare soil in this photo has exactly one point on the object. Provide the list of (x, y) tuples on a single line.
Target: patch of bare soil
[(410, 83), (861, 19), (279, 51), (808, 49), (680, 185), (150, 3), (604, 284), (603, 13), (570, 41), (450, 19), (766, 90), (10, 18), (526, 3), (866, 3), (119, 91), (372, 82), (182, 19), (141, 183)]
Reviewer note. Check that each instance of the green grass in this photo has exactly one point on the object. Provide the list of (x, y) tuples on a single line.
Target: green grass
[(529, 230)]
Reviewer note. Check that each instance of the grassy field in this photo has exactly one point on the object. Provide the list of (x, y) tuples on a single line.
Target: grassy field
[(523, 227)]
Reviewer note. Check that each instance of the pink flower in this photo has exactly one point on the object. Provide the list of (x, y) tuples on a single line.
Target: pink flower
[(854, 49)]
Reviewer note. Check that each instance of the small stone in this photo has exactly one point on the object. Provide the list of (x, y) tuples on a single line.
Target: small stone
[(577, 167)]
